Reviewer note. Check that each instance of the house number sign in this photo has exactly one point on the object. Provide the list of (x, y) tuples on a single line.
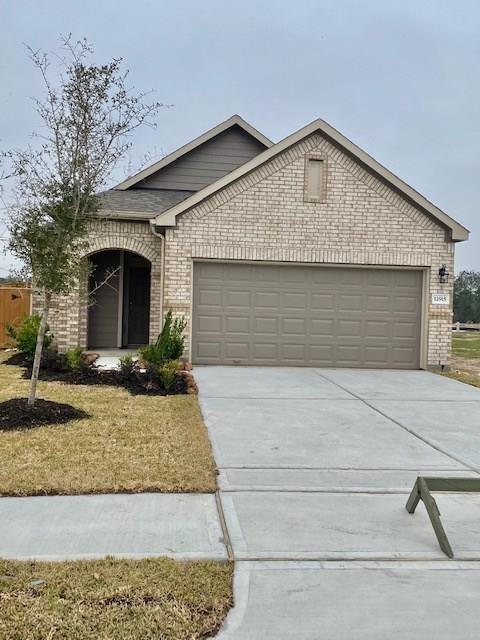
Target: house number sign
[(440, 298)]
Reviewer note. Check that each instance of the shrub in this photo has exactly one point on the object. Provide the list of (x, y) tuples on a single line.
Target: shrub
[(167, 373), (169, 344), (25, 335), (75, 359), (151, 355), (126, 366)]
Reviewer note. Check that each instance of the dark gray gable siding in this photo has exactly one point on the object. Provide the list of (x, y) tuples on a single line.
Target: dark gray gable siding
[(207, 163)]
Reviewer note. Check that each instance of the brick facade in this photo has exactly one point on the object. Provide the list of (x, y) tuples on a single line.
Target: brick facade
[(263, 216), (68, 318)]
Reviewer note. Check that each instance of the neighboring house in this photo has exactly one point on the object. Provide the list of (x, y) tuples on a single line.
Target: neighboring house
[(304, 252)]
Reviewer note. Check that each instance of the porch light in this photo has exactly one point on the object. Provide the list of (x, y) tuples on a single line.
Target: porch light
[(443, 274)]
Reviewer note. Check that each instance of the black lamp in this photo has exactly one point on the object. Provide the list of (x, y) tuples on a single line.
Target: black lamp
[(443, 274)]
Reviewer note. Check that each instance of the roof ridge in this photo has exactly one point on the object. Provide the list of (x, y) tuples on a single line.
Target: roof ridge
[(458, 231)]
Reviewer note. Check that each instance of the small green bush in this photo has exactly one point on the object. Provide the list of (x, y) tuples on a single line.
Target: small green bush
[(169, 344), (126, 366), (26, 334), (167, 373), (151, 355), (75, 359)]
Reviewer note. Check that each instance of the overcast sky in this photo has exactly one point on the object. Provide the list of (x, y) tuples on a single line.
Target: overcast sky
[(399, 78)]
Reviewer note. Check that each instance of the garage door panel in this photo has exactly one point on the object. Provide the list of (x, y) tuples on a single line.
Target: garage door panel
[(210, 271), (404, 279), (237, 324), (209, 324), (210, 297), (319, 328), (404, 330), (377, 329), (405, 304), (348, 355), (378, 303), (295, 301), (266, 274), (322, 301), (306, 315), (238, 276), (297, 326), (207, 350), (349, 328), (239, 299), (267, 326), (267, 299), (402, 355), (265, 351), (323, 354), (349, 302), (351, 277), (325, 277), (293, 353), (237, 350), (376, 355)]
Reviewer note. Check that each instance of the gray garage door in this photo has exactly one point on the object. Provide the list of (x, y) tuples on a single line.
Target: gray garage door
[(306, 315)]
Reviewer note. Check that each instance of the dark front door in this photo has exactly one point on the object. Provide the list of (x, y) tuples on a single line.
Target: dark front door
[(103, 308), (138, 305)]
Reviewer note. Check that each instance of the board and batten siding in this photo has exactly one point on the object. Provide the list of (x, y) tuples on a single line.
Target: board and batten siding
[(207, 163)]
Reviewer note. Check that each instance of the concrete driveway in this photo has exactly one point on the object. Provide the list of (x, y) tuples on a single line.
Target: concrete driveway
[(315, 469)]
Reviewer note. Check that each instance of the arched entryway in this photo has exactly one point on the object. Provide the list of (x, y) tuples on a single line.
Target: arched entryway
[(118, 300)]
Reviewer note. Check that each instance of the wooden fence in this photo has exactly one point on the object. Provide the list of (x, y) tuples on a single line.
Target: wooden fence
[(14, 304), (465, 326)]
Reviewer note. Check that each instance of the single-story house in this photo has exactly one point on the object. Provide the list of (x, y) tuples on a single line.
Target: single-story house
[(306, 252)]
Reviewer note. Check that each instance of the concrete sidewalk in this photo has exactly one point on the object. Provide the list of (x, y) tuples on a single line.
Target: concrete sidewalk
[(354, 601), (315, 469), (181, 526)]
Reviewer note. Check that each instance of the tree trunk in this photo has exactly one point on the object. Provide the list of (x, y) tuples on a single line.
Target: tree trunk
[(38, 349)]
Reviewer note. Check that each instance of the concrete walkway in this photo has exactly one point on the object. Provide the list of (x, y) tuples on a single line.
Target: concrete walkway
[(181, 526), (315, 469)]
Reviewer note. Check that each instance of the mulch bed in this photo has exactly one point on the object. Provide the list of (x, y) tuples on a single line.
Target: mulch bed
[(16, 414), (137, 383)]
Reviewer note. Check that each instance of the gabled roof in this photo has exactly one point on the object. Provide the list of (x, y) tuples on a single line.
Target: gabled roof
[(205, 137), (458, 232)]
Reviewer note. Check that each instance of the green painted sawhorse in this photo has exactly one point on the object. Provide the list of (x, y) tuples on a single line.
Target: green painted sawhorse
[(421, 491)]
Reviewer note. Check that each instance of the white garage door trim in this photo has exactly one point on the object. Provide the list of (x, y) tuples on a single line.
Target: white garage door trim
[(424, 291)]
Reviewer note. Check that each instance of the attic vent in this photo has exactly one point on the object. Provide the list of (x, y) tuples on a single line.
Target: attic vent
[(315, 179)]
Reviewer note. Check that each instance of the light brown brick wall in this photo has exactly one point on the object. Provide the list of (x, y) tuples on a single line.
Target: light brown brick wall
[(263, 216), (68, 318)]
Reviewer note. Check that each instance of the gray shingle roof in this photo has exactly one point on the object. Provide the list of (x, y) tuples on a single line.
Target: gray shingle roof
[(144, 203)]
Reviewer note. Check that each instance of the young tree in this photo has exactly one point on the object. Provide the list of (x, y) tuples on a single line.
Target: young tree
[(87, 115)]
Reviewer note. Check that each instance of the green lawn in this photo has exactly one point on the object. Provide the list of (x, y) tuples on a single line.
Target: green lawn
[(466, 344), (128, 444), (113, 599)]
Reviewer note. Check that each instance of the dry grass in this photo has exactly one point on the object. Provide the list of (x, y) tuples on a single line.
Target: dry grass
[(129, 444), (466, 344), (114, 599), (465, 360), (464, 376)]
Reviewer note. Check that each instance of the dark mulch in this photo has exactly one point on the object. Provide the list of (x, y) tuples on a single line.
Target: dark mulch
[(55, 369), (17, 359), (136, 383), (16, 414)]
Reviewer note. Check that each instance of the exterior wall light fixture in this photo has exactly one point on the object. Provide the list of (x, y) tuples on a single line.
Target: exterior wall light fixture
[(443, 274)]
